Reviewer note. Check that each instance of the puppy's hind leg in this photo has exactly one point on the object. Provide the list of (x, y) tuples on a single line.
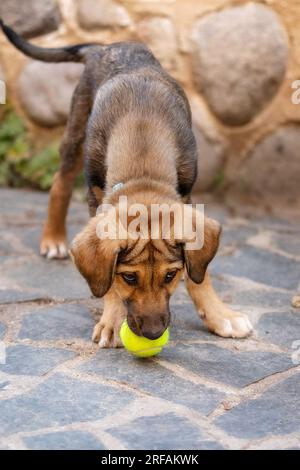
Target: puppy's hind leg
[(218, 318), (53, 243)]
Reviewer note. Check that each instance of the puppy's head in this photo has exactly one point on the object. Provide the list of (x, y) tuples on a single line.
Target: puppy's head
[(143, 272)]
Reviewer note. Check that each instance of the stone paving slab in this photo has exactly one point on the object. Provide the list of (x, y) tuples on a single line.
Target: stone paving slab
[(187, 326), (275, 412), (68, 440), (261, 297), (280, 328), (149, 376), (8, 296), (58, 322), (168, 431), (260, 266), (21, 207), (2, 330), (26, 207), (3, 385), (236, 236), (59, 401), (27, 360), (288, 243), (56, 279), (236, 368), (57, 390), (26, 239)]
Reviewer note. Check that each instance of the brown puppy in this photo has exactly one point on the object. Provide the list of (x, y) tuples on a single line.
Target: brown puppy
[(130, 123)]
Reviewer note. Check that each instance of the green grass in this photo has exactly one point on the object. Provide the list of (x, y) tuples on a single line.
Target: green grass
[(20, 163)]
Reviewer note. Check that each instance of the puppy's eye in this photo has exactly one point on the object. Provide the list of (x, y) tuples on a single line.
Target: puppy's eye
[(130, 278), (170, 276)]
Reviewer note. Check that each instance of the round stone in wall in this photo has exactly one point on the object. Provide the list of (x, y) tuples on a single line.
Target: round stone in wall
[(210, 161), (211, 147), (31, 17), (93, 14), (239, 60), (272, 169), (159, 34), (45, 91)]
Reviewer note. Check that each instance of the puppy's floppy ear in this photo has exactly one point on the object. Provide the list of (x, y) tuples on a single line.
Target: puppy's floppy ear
[(95, 258), (196, 261)]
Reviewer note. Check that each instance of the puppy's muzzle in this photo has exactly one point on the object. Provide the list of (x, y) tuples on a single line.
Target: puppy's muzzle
[(151, 326)]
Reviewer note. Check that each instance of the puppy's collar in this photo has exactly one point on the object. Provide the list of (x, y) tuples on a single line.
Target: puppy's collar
[(117, 186)]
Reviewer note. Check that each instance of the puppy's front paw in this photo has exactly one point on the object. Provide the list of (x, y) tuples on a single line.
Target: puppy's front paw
[(106, 335), (54, 248), (228, 324)]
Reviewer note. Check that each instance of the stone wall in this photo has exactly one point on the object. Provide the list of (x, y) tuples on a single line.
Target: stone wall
[(236, 59)]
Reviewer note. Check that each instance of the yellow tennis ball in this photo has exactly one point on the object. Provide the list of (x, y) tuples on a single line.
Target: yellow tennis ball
[(139, 345)]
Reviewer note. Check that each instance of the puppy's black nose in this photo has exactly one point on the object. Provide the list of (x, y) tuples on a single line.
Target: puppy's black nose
[(152, 334)]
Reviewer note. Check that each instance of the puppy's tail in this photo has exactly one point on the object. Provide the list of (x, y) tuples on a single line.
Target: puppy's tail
[(76, 53)]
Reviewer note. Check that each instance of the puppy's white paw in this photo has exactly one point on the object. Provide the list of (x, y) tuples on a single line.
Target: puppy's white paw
[(54, 249), (229, 324), (241, 326), (106, 336)]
